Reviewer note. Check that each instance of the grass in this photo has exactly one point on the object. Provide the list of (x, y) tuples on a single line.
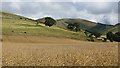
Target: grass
[(28, 25), (18, 27)]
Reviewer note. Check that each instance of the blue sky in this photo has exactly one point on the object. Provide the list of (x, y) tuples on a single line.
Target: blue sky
[(102, 11)]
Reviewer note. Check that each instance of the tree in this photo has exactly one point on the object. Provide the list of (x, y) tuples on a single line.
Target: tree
[(96, 33), (109, 36), (116, 37), (77, 27), (70, 26), (74, 26), (113, 37), (49, 21), (117, 33)]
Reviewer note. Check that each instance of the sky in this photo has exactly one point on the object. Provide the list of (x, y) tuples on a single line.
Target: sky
[(101, 11)]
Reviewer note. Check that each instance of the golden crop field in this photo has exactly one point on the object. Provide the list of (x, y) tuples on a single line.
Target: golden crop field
[(44, 51)]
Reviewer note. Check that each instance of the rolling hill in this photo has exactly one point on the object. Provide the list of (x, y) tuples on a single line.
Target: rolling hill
[(85, 25), (19, 25), (88, 25), (15, 25)]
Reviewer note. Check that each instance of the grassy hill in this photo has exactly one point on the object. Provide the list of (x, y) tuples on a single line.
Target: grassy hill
[(85, 25), (14, 16), (15, 25), (18, 25), (115, 28)]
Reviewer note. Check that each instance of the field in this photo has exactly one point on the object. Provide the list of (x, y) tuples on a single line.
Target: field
[(54, 52), (0, 53), (25, 44)]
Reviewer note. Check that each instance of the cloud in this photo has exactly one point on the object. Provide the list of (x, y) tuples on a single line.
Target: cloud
[(60, 0), (11, 7), (104, 12), (98, 7), (111, 18)]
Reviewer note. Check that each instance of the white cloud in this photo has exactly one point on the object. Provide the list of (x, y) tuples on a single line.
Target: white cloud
[(95, 11), (15, 6), (60, 1), (11, 0)]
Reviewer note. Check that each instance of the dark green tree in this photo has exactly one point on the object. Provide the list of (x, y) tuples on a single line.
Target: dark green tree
[(96, 33), (74, 27), (49, 21), (70, 26), (113, 37), (110, 36), (117, 33), (116, 37)]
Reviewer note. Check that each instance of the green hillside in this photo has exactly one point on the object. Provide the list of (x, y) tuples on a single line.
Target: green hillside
[(85, 25), (14, 16), (16, 25), (115, 28)]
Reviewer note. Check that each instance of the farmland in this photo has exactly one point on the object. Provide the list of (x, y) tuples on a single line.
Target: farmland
[(25, 44), (58, 53)]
